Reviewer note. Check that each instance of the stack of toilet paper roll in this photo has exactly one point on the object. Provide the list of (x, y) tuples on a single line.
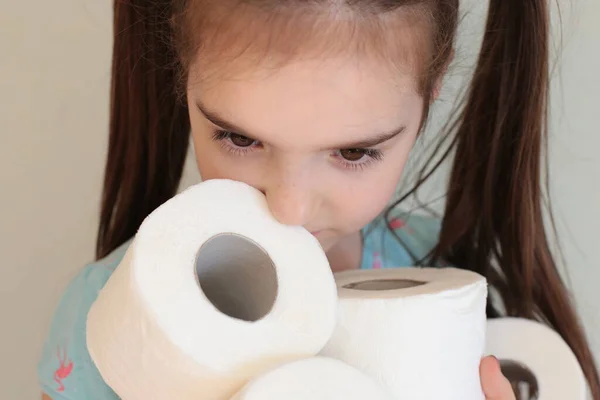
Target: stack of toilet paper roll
[(216, 300)]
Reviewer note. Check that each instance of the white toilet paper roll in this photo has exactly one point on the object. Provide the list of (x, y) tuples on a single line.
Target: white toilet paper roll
[(419, 332), (316, 378), (212, 291), (538, 357)]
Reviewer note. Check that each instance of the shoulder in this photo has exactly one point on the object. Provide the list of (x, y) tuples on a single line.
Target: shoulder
[(400, 240), (65, 369)]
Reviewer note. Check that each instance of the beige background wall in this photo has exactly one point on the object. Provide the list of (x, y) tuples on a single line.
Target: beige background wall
[(54, 75)]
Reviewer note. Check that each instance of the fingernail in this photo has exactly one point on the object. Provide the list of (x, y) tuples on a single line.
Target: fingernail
[(497, 362), (498, 365)]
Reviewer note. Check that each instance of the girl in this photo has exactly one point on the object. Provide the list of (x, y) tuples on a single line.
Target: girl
[(317, 104)]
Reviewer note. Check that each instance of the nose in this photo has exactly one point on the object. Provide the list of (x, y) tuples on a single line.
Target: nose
[(292, 203)]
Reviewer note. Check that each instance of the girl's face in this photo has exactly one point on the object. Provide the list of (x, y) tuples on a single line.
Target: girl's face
[(326, 141)]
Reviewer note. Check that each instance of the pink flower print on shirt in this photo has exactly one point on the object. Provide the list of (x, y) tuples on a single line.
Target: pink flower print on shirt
[(398, 223), (64, 370), (377, 264)]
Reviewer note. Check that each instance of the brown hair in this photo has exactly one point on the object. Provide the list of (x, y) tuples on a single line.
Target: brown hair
[(493, 223), (149, 125)]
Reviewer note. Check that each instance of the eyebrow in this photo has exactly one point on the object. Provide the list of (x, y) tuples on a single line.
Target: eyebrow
[(220, 122)]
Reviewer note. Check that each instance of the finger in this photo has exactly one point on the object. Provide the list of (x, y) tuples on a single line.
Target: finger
[(494, 383)]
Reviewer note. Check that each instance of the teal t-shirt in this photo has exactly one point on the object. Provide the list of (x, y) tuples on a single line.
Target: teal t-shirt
[(66, 371)]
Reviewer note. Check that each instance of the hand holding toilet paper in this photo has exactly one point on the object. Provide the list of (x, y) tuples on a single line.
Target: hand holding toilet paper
[(214, 299), (538, 357)]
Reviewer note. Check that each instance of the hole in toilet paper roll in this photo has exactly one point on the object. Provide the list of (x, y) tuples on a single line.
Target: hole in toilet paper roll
[(237, 276), (383, 284), (522, 379)]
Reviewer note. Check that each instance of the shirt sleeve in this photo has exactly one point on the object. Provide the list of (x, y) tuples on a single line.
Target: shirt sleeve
[(65, 370)]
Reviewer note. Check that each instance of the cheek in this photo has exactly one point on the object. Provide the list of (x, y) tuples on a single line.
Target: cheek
[(206, 157), (366, 197), (215, 163), (359, 206), (208, 165), (211, 160)]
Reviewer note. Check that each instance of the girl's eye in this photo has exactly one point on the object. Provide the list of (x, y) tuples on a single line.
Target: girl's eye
[(235, 143), (353, 155), (358, 159), (240, 140), (352, 159)]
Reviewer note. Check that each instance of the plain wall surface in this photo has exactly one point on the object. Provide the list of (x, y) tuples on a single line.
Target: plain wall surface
[(54, 85)]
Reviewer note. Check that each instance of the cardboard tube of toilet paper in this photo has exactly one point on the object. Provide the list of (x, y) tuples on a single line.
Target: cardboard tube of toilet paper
[(538, 357), (316, 378), (211, 292), (419, 332)]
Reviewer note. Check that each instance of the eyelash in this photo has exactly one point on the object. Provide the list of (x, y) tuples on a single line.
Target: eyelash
[(224, 139)]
